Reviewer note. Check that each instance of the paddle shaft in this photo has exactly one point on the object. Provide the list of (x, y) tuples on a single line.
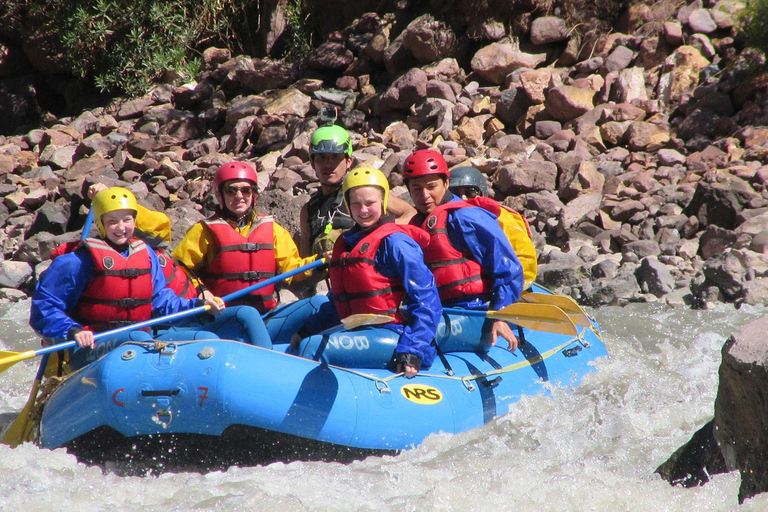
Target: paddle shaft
[(168, 318)]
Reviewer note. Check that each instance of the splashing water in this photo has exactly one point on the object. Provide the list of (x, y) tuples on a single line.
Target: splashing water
[(590, 448)]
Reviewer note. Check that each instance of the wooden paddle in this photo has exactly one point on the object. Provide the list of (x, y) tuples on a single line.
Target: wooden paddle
[(21, 429), (538, 317)]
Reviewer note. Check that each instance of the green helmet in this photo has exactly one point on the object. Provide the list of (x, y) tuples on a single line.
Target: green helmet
[(468, 177), (330, 139)]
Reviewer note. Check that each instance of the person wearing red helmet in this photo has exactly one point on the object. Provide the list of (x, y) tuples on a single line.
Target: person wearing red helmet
[(237, 247), (473, 262)]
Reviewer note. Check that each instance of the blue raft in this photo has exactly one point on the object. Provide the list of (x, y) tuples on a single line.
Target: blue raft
[(220, 388)]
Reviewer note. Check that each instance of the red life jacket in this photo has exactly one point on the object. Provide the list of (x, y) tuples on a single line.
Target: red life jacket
[(240, 262), (456, 274), (357, 286), (120, 292), (65, 248), (176, 278)]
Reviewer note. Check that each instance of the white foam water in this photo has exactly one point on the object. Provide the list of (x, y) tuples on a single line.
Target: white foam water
[(591, 448)]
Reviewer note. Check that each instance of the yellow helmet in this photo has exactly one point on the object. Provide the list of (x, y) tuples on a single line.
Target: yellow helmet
[(362, 176), (109, 200)]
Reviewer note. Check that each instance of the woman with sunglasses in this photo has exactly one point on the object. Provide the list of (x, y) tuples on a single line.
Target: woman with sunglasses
[(237, 247)]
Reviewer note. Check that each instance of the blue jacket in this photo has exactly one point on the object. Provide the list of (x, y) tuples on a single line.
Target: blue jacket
[(60, 286), (401, 257), (477, 231)]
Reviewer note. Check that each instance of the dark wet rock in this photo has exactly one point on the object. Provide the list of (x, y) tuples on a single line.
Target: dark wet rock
[(739, 417)]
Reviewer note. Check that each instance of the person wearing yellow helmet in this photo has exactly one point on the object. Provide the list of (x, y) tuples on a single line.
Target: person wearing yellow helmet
[(377, 267), (107, 282), (325, 215), (154, 228)]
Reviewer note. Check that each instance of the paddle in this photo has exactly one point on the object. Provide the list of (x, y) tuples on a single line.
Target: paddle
[(8, 359), (539, 317), (21, 429), (567, 304), (362, 319)]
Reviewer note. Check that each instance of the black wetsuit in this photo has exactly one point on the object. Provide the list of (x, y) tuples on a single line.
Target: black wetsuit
[(327, 212)]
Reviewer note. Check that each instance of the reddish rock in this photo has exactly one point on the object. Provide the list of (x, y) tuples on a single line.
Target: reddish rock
[(495, 61), (565, 102)]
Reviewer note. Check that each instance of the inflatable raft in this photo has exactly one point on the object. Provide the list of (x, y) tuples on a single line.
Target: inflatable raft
[(315, 402)]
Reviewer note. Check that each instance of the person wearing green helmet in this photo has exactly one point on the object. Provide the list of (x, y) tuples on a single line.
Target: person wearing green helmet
[(325, 216)]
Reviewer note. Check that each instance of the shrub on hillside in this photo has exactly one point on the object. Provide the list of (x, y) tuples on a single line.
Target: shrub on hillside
[(754, 24), (127, 45), (123, 46)]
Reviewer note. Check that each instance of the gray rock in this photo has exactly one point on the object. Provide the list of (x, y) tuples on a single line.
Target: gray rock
[(605, 268), (654, 277), (548, 29), (726, 272), (617, 291), (13, 274), (430, 40), (701, 21), (618, 59)]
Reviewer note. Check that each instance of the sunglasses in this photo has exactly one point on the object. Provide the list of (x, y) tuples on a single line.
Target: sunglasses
[(232, 191), (468, 192)]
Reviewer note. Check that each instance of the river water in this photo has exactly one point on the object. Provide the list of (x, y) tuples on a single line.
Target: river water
[(594, 448)]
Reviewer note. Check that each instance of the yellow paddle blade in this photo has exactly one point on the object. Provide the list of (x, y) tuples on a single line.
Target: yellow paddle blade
[(8, 358), (538, 317), (567, 304), (362, 319), (20, 430)]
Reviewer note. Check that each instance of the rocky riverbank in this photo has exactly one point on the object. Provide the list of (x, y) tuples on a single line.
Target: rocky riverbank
[(639, 156)]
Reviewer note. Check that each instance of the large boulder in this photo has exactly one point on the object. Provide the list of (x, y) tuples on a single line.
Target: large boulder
[(741, 417)]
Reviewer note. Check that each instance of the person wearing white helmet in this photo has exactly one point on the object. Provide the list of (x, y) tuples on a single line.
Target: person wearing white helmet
[(469, 184)]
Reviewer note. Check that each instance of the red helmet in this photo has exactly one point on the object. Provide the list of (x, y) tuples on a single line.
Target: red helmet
[(234, 171), (425, 162)]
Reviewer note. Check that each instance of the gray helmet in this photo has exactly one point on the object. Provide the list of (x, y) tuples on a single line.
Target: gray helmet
[(468, 177)]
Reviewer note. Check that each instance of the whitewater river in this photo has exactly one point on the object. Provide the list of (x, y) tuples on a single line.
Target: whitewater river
[(590, 449)]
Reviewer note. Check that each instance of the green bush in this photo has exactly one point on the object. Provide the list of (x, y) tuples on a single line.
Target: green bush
[(298, 43), (123, 46), (126, 45), (754, 24)]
